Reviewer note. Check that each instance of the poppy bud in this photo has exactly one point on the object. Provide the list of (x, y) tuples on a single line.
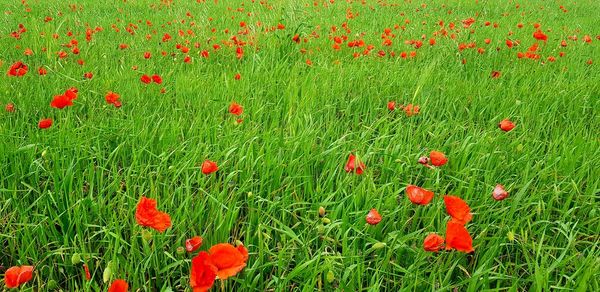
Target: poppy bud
[(44, 153), (423, 160), (321, 211), (520, 148), (511, 236), (325, 220), (378, 245), (239, 243), (330, 277), (75, 259), (146, 235), (180, 250), (51, 285), (249, 194), (320, 229), (106, 274)]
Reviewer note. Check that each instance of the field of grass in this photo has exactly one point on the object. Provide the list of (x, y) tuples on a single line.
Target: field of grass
[(68, 193)]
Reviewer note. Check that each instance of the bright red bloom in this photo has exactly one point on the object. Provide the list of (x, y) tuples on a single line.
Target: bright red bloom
[(88, 75), (351, 165), (45, 123), (457, 237), (235, 108), (202, 273), (433, 242), (113, 98), (61, 101), (499, 193), (419, 195), (42, 71), (18, 69), (237, 76), (391, 105), (193, 243), (16, 276), (147, 215), (495, 74), (86, 270), (10, 107), (145, 79), (539, 35), (437, 158), (373, 218), (411, 110), (458, 209), (118, 285), (228, 259), (157, 79), (209, 167), (506, 125)]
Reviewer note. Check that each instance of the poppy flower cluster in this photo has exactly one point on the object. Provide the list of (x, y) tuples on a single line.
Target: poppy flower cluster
[(457, 236), (435, 157), (149, 79), (18, 69), (410, 109), (222, 261), (65, 99)]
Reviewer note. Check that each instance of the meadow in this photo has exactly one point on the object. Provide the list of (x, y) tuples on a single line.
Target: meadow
[(270, 130)]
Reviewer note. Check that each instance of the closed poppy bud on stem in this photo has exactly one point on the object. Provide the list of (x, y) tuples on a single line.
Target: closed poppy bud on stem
[(75, 259), (321, 211)]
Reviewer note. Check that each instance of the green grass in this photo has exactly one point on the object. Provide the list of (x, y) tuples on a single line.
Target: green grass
[(73, 188)]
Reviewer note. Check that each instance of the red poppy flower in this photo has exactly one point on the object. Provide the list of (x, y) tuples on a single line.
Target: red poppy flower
[(45, 123), (145, 79), (235, 108), (495, 74), (539, 35), (237, 76), (351, 165), (458, 209), (419, 196), (457, 237), (411, 110), (202, 273), (209, 167), (506, 125), (86, 270), (433, 242), (118, 285), (193, 243), (157, 79), (42, 71), (391, 105), (88, 75), (228, 259), (10, 107), (16, 276), (61, 101), (147, 215), (18, 69), (373, 218), (113, 98), (499, 193), (437, 158)]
